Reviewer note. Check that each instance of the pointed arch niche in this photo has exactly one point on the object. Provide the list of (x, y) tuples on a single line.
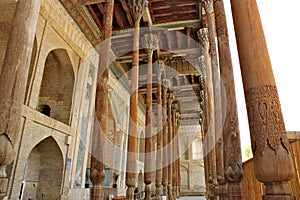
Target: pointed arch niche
[(56, 91), (44, 171)]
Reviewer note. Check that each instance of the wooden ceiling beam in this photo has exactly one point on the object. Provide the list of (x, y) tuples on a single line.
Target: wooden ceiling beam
[(126, 9), (119, 18), (174, 9), (88, 2), (163, 4), (122, 42), (175, 18), (172, 13), (101, 8), (95, 17)]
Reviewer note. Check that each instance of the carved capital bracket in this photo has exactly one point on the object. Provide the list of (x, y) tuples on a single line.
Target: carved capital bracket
[(208, 6), (137, 8), (203, 38), (265, 119), (150, 43)]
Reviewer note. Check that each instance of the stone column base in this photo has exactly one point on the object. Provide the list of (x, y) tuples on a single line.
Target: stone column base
[(96, 192), (3, 185), (222, 192), (130, 193), (147, 192), (165, 190)]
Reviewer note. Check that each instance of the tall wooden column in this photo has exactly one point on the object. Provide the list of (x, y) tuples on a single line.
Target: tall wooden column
[(159, 138), (233, 173), (174, 172), (137, 8), (272, 159), (12, 82), (170, 146), (101, 108), (175, 166), (208, 5), (209, 142), (204, 113), (150, 43), (165, 138)]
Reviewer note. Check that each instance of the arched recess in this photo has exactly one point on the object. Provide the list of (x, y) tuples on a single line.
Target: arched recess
[(56, 91), (44, 171), (184, 177), (197, 149), (140, 181), (30, 71)]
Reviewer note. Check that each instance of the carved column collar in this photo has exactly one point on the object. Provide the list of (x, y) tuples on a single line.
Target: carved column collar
[(265, 119)]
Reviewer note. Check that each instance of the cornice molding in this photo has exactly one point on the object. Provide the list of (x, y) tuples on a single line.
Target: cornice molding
[(54, 12)]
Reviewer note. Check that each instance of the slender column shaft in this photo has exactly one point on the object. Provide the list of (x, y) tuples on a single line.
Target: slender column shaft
[(270, 145), (209, 126), (158, 176), (203, 105), (13, 76), (148, 141), (101, 108), (165, 139), (176, 153), (208, 5), (170, 147), (137, 9), (174, 169), (131, 148), (232, 154)]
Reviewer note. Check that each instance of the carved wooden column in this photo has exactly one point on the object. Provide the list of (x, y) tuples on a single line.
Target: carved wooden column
[(233, 173), (204, 117), (150, 43), (272, 159), (209, 141), (174, 170), (159, 151), (165, 138), (175, 165), (170, 146), (137, 8), (208, 5), (101, 108), (13, 76), (202, 64)]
